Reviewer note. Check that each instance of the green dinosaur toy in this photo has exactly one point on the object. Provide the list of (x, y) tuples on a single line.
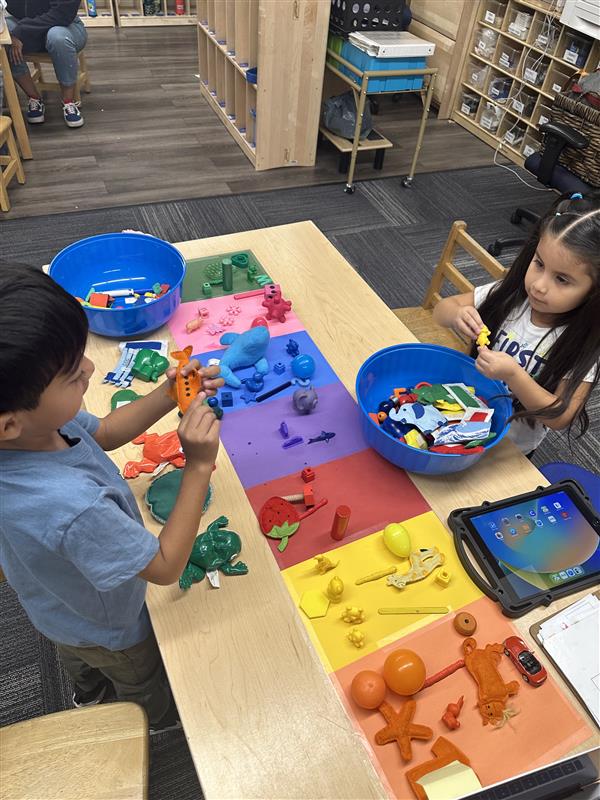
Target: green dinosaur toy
[(213, 550)]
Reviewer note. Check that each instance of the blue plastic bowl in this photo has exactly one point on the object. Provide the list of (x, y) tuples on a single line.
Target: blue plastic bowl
[(407, 365), (122, 261)]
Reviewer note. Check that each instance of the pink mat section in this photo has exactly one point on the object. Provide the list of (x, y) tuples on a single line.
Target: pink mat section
[(203, 342), (376, 491), (545, 729)]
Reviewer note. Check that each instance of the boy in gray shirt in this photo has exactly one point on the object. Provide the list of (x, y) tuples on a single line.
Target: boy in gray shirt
[(72, 542)]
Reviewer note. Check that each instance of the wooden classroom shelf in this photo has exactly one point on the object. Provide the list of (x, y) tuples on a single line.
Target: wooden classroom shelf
[(130, 13), (517, 134), (104, 18), (275, 121)]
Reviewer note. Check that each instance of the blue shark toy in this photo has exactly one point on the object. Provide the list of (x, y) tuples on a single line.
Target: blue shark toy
[(245, 350)]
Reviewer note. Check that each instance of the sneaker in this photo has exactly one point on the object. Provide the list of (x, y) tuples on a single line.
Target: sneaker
[(72, 115), (35, 111), (83, 699), (169, 722)]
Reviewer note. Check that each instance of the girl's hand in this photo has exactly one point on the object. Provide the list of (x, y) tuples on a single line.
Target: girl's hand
[(496, 365), (210, 380), (468, 322), (198, 433)]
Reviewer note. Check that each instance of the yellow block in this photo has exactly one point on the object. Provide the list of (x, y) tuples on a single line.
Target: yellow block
[(368, 555)]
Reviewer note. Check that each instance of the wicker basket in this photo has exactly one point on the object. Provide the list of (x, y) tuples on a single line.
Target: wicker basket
[(583, 163)]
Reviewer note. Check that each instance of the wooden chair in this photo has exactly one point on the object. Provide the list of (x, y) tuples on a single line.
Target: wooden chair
[(83, 75), (96, 753), (419, 319), (10, 165)]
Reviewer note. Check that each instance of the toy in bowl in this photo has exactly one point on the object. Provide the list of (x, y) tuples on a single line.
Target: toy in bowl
[(140, 274), (435, 399)]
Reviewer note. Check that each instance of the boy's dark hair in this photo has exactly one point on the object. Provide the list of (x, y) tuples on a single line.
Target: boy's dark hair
[(574, 221), (43, 332)]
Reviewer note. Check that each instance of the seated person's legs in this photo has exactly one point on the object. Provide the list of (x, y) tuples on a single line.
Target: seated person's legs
[(22, 76), (63, 45)]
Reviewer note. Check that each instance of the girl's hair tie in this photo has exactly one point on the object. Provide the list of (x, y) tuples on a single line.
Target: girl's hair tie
[(576, 196)]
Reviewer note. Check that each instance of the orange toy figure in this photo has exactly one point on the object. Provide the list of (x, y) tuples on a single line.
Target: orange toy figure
[(493, 691), (450, 718), (157, 450), (185, 387), (400, 728)]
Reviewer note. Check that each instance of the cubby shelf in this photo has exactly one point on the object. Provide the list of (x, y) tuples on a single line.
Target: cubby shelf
[(530, 67), (137, 13), (275, 121), (103, 17)]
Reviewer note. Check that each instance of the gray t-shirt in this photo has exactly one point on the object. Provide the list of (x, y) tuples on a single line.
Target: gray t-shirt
[(72, 542)]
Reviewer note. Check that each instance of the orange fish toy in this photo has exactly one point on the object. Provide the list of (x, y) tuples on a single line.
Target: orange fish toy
[(186, 387)]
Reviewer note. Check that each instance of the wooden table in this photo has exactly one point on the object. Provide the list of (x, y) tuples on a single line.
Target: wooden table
[(261, 716), (12, 98)]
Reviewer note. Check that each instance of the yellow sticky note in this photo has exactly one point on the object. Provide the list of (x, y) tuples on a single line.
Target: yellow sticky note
[(451, 782)]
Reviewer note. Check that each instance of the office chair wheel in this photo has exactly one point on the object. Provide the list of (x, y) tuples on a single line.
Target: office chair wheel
[(407, 182), (349, 189), (494, 249)]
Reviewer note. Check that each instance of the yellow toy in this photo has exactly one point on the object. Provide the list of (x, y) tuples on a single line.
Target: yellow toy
[(335, 589), (443, 577), (353, 615), (422, 563), (374, 576), (484, 337), (324, 564), (314, 604), (397, 539), (356, 637)]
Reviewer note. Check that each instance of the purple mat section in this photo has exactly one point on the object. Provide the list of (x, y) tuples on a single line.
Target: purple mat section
[(276, 352), (254, 444)]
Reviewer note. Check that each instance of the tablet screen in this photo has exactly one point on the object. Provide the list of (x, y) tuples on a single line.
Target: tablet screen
[(540, 543)]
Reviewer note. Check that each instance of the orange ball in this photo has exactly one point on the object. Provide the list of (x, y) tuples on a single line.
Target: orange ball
[(404, 672), (368, 689)]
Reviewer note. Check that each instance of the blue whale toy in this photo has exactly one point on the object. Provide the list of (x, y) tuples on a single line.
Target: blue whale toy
[(244, 350)]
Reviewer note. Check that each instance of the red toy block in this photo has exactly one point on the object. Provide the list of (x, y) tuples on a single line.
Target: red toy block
[(340, 522), (99, 299), (308, 474), (277, 306), (309, 496)]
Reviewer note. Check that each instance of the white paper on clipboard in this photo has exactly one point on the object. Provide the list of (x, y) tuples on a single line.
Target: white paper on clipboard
[(572, 640)]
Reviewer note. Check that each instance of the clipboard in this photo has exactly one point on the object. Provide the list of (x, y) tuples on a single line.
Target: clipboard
[(534, 631)]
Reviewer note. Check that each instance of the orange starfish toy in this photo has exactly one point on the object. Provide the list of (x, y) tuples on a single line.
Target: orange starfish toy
[(400, 728), (185, 387)]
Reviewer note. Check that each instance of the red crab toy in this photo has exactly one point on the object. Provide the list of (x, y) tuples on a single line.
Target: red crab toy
[(158, 449)]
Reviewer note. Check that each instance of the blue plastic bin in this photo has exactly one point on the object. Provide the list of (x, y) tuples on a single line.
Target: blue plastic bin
[(365, 62), (122, 261), (407, 365)]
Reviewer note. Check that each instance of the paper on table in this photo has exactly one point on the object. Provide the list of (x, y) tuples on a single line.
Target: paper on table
[(450, 782), (572, 639)]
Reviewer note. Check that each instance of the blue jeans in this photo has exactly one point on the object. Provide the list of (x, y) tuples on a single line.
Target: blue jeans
[(62, 44)]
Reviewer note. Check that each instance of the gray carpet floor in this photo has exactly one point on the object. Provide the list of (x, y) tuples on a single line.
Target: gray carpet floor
[(392, 236)]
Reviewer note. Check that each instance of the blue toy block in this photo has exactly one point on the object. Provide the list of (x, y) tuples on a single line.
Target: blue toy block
[(226, 399)]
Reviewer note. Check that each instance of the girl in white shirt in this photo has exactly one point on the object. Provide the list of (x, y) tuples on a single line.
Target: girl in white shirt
[(544, 318)]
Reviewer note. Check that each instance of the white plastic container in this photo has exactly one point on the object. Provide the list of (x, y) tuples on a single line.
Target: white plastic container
[(392, 44)]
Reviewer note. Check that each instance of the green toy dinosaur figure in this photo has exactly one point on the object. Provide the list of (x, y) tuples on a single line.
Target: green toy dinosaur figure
[(213, 550)]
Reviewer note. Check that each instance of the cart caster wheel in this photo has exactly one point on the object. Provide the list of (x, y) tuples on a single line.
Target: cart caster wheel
[(407, 182), (494, 249), (349, 189)]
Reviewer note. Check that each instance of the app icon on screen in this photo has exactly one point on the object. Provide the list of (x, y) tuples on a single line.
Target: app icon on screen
[(545, 509), (570, 572), (551, 518), (532, 512), (493, 526), (577, 570), (539, 523), (555, 577), (557, 505), (499, 535), (518, 516), (512, 531), (564, 515), (563, 575), (505, 520)]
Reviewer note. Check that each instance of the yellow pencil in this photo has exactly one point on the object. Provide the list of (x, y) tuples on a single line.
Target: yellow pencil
[(374, 576), (415, 610)]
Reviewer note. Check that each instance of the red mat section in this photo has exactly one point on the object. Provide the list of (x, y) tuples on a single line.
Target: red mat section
[(377, 492)]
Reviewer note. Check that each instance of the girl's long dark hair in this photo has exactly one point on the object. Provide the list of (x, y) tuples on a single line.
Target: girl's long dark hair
[(576, 224)]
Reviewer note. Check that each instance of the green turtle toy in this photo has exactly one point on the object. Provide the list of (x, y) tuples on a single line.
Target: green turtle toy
[(213, 550)]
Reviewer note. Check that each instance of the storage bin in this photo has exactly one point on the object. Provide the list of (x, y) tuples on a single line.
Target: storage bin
[(508, 55), (514, 134), (470, 104), (529, 146), (366, 62), (477, 75), (494, 12), (577, 49), (546, 33), (369, 15), (499, 88), (534, 69), (519, 23), (524, 102), (557, 80), (490, 117), (485, 42), (542, 115)]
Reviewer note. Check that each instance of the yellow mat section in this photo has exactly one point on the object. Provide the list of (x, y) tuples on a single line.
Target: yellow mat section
[(369, 555)]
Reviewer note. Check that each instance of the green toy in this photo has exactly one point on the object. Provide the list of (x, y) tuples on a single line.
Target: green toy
[(213, 550), (162, 494), (283, 532), (431, 394), (149, 365), (123, 397)]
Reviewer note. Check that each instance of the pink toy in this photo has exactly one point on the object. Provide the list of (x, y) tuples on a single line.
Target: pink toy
[(258, 322), (197, 321), (213, 330), (274, 302)]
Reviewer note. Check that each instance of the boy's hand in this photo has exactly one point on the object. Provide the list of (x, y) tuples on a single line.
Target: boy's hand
[(496, 365), (210, 380), (199, 433), (468, 322)]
